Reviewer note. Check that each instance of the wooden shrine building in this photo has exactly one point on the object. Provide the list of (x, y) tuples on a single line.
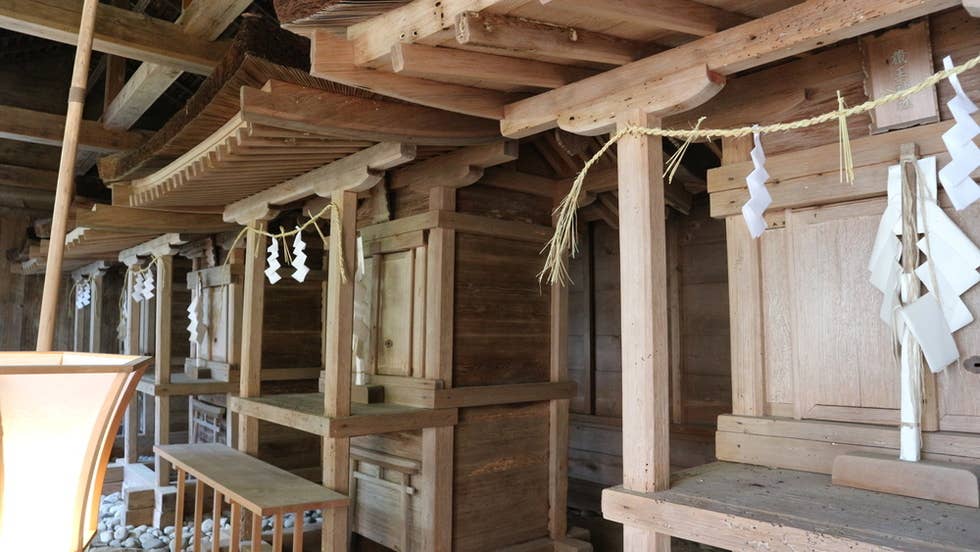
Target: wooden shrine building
[(508, 275)]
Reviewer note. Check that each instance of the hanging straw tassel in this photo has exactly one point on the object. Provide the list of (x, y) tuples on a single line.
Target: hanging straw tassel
[(674, 162), (564, 241), (846, 157)]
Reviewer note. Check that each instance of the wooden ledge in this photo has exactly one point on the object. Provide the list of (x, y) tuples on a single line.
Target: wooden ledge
[(741, 507), (259, 487), (304, 411), (182, 384)]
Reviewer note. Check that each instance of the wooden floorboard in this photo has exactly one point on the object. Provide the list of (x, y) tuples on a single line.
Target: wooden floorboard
[(739, 507)]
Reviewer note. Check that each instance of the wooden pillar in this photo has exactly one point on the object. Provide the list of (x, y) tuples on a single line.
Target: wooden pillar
[(250, 382), (65, 191), (338, 334), (95, 313), (745, 302), (78, 323), (161, 404), (646, 370), (558, 416), (131, 347), (437, 442), (236, 302)]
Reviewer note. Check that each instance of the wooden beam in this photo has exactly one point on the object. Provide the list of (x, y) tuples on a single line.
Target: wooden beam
[(456, 169), (294, 107), (422, 21), (25, 177), (128, 219), (332, 58), (518, 36), (682, 16), (696, 84), (201, 19), (117, 31), (785, 33), (36, 127), (646, 363), (451, 65), (356, 172)]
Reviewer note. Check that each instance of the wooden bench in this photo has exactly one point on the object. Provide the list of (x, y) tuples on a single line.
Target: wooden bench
[(745, 507), (244, 482)]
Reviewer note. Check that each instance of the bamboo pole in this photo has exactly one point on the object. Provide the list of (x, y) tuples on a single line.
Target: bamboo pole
[(66, 177)]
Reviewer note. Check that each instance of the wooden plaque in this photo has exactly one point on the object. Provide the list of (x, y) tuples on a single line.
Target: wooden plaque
[(893, 61)]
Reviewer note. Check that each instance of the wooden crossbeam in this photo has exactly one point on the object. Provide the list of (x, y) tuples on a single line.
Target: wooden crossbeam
[(683, 16), (127, 219), (294, 107), (332, 58), (25, 125), (164, 245), (485, 70), (785, 33), (456, 169), (206, 20), (517, 36), (356, 172), (117, 31), (24, 177), (421, 21)]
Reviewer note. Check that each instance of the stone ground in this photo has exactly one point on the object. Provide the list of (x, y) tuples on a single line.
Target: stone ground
[(113, 535)]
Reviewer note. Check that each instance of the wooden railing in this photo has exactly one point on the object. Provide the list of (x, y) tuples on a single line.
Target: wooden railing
[(249, 486)]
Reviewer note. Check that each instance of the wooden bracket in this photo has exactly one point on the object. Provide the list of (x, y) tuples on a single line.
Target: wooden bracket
[(674, 93), (456, 169)]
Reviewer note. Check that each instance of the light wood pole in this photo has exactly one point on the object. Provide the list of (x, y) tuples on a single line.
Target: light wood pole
[(65, 192)]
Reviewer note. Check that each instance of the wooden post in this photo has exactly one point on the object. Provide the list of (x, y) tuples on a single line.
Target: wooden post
[(78, 323), (161, 404), (646, 369), (250, 383), (65, 191), (131, 347), (437, 442), (95, 313), (558, 416), (745, 301), (338, 333)]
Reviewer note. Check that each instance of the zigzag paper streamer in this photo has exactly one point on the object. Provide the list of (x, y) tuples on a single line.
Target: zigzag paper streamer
[(759, 198), (86, 293), (299, 258), (148, 286), (137, 294), (955, 176), (192, 313), (273, 261)]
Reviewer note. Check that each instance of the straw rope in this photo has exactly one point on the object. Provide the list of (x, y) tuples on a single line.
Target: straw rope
[(564, 242), (283, 234)]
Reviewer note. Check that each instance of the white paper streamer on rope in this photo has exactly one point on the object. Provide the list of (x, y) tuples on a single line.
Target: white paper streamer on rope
[(193, 313), (148, 287), (360, 257), (759, 198), (271, 272), (137, 294), (299, 258), (955, 176), (83, 294)]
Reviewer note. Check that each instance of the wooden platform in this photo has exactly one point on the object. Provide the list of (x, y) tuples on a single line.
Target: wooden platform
[(744, 507), (182, 384), (304, 411), (259, 487)]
